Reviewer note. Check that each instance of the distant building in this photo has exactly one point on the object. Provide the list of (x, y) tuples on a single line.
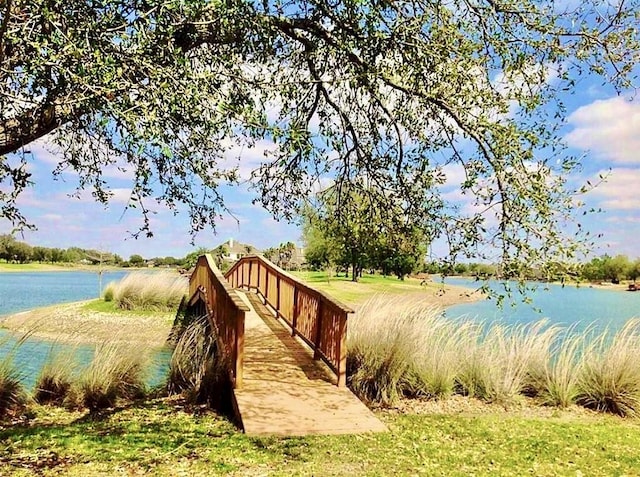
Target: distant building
[(298, 259), (236, 250)]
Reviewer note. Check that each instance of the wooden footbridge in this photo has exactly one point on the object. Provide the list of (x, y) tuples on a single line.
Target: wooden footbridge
[(285, 343)]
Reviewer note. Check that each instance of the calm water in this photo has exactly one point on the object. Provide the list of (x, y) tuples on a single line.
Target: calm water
[(25, 291), (579, 306)]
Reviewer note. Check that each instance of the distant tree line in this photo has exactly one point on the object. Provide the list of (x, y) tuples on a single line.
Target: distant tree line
[(15, 251), (600, 269), (613, 269)]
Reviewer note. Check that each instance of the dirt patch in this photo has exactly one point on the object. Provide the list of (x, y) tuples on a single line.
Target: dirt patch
[(71, 323)]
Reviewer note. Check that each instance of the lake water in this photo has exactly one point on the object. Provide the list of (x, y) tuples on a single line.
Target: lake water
[(25, 291), (566, 306)]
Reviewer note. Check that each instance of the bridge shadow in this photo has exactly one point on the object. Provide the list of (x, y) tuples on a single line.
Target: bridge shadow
[(292, 353)]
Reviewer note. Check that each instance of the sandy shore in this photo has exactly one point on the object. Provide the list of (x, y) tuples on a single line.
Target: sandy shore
[(71, 323), (449, 295)]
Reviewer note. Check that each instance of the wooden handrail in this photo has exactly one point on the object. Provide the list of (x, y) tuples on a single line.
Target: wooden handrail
[(319, 319), (225, 310)]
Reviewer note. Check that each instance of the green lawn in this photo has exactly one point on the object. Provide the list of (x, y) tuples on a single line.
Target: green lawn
[(101, 306), (58, 267), (32, 267), (162, 439), (343, 289)]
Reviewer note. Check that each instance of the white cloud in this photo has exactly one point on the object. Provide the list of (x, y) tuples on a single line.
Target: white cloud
[(52, 217), (120, 196), (620, 191), (610, 128), (455, 174)]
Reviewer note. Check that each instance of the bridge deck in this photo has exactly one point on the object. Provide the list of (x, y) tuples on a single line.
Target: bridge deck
[(285, 392)]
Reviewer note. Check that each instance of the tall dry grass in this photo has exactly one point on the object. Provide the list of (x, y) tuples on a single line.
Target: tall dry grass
[(197, 369), (116, 372), (401, 346), (610, 374), (556, 383), (502, 361), (56, 377), (157, 291), (13, 397)]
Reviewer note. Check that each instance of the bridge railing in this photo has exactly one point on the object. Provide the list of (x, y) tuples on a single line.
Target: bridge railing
[(320, 320), (225, 310)]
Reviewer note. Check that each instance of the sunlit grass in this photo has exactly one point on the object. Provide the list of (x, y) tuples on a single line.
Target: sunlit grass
[(160, 291), (343, 289), (610, 374), (101, 306), (115, 372), (56, 377), (160, 438)]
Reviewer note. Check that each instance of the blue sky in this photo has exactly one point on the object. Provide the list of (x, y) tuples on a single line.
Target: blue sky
[(602, 126)]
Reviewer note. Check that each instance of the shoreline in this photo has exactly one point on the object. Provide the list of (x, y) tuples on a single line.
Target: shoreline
[(71, 323), (622, 286), (45, 268)]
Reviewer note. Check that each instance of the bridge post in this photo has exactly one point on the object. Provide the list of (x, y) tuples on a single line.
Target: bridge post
[(278, 295), (294, 320), (239, 364), (266, 287), (341, 370), (316, 352)]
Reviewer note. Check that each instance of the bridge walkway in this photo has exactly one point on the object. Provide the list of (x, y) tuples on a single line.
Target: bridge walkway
[(285, 392)]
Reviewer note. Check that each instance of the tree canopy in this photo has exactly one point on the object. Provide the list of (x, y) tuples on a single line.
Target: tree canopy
[(383, 93), (363, 230)]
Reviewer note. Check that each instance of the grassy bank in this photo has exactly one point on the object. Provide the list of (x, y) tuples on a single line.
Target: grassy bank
[(57, 267), (34, 267), (161, 438), (355, 293)]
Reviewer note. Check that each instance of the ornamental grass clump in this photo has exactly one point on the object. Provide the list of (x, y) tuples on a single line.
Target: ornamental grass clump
[(116, 372), (401, 347), (437, 358), (13, 398), (500, 361), (53, 384), (198, 369), (558, 384), (610, 373), (109, 292), (158, 291)]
